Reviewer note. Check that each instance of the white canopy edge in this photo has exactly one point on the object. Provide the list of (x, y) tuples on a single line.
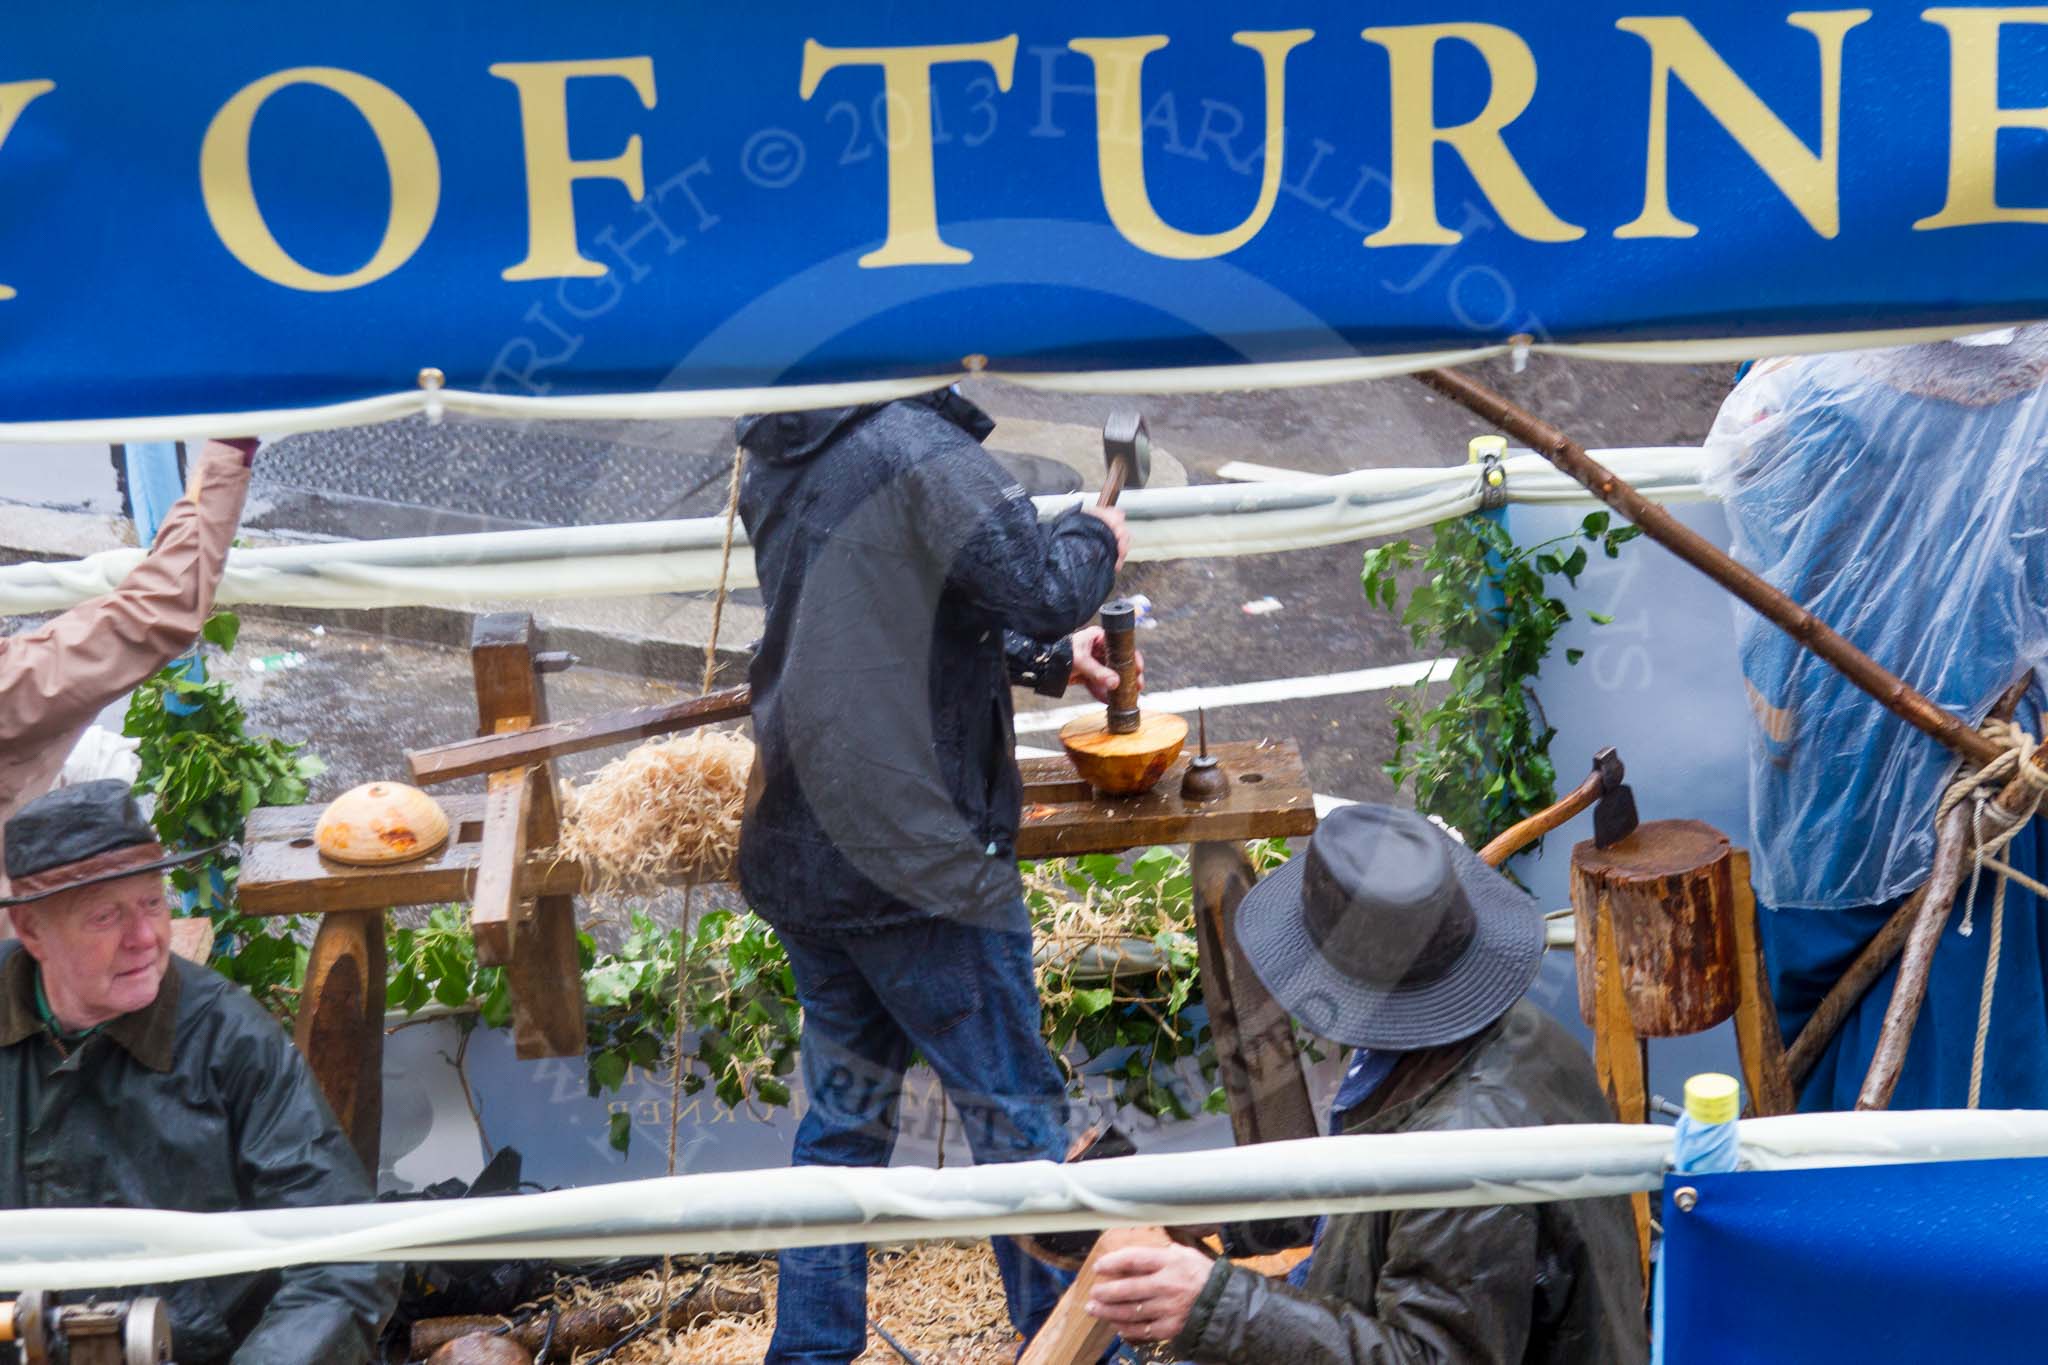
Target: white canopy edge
[(58, 1249), (643, 558), (673, 404)]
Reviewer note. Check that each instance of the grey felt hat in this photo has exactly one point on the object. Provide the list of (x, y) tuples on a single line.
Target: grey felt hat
[(1387, 933)]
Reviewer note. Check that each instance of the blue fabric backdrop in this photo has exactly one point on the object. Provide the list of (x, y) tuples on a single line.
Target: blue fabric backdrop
[(741, 263)]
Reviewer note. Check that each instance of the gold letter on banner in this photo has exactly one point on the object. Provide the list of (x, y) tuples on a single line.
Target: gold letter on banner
[(907, 87), (1809, 181), (1975, 117), (231, 197), (551, 175), (1511, 67), (1120, 142), (15, 96)]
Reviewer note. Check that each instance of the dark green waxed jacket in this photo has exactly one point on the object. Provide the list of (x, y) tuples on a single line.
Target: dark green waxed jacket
[(199, 1103), (1509, 1284)]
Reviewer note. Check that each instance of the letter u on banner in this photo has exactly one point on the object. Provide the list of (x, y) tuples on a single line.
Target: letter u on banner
[(230, 193), (1120, 142)]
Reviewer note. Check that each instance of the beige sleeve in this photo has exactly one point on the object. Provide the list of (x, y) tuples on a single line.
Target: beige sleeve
[(61, 675)]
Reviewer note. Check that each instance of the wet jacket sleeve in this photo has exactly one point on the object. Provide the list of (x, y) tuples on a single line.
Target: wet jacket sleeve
[(1454, 1290), (64, 673), (292, 1153), (1042, 666), (1041, 581)]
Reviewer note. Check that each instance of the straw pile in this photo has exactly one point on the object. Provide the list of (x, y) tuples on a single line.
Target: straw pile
[(665, 812), (942, 1300)]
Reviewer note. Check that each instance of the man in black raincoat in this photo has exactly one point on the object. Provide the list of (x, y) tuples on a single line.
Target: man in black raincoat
[(131, 1078), (909, 583)]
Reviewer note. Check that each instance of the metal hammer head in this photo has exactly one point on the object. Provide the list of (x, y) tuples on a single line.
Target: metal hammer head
[(1125, 441), (1614, 815)]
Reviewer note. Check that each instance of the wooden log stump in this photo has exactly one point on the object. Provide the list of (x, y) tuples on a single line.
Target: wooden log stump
[(1667, 895)]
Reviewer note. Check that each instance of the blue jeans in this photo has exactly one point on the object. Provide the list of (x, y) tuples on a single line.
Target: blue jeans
[(966, 999)]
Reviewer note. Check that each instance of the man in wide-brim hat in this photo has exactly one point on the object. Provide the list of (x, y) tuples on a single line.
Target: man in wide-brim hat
[(131, 1078), (1391, 937)]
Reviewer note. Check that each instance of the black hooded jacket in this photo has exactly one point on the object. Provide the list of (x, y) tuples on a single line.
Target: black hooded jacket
[(908, 583)]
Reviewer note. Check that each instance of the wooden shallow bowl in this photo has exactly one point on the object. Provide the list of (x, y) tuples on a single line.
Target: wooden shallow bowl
[(380, 823), (1124, 765)]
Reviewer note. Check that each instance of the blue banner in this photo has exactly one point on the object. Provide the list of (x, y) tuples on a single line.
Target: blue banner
[(1874, 1264), (230, 206)]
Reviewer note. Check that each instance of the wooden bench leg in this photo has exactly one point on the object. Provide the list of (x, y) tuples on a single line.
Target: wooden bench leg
[(545, 973), (1617, 1052), (1255, 1048), (340, 1030), (1758, 1041)]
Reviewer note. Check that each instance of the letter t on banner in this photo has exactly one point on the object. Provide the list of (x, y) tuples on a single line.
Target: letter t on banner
[(907, 86)]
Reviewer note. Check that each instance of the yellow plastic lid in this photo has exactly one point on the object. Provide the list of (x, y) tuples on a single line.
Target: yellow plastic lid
[(1480, 447), (1711, 1097)]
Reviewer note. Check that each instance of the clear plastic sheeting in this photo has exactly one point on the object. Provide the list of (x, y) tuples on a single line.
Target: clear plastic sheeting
[(684, 556), (61, 1249), (1900, 496)]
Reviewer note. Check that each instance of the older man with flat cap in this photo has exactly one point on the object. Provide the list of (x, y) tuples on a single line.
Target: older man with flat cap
[(134, 1079), (1391, 937)]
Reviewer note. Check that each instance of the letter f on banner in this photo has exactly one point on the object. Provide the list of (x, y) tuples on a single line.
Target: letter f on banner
[(551, 174), (16, 96)]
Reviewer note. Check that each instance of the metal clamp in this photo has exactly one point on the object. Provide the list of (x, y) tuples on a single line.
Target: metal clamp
[(1488, 452)]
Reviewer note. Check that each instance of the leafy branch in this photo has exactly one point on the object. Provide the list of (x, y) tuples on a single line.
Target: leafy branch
[(1478, 757)]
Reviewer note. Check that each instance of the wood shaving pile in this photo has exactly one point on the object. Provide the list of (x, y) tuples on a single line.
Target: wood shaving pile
[(665, 812), (942, 1300)]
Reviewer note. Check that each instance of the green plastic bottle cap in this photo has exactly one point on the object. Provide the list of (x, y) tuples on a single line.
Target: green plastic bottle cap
[(1711, 1097), (1480, 447)]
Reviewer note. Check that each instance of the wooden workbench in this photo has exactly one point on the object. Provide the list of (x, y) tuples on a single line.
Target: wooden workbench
[(341, 1013)]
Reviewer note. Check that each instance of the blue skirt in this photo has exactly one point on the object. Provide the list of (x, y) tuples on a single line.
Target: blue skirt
[(1806, 952)]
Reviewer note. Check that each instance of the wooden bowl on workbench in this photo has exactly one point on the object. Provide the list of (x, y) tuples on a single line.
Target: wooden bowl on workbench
[(1124, 765)]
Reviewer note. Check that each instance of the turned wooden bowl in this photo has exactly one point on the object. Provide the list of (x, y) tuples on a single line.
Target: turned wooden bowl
[(1124, 765), (380, 823)]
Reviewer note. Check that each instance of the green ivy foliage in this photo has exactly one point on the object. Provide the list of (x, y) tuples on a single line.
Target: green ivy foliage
[(1477, 756)]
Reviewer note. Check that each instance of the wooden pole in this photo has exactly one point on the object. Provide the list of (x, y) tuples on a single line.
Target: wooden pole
[(1859, 668)]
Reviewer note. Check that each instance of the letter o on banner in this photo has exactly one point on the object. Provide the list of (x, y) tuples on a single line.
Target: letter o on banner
[(230, 194)]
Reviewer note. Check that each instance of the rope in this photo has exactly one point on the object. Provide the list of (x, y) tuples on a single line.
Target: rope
[(2016, 762), (675, 1075)]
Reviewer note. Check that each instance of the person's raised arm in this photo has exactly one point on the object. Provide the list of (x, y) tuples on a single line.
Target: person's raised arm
[(1042, 581), (66, 671)]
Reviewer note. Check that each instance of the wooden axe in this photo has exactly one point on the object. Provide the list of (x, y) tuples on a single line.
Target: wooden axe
[(1614, 813)]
